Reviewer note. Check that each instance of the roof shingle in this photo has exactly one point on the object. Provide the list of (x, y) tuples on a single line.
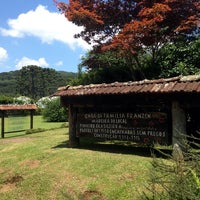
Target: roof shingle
[(18, 107), (180, 84)]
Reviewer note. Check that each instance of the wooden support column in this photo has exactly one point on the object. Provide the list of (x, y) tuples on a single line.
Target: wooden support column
[(73, 139), (2, 123), (31, 119), (178, 125)]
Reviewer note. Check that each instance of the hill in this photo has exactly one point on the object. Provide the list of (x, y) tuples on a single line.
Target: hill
[(9, 81)]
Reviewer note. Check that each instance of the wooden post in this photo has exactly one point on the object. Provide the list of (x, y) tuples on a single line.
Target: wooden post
[(73, 139), (2, 123), (31, 119), (178, 125)]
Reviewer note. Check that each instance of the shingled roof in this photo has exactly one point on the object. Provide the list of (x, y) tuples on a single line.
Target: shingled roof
[(180, 84), (18, 107)]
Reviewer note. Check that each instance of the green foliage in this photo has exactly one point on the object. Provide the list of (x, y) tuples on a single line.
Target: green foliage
[(6, 99), (53, 112), (145, 33), (33, 81), (180, 58), (177, 177), (175, 58), (8, 83), (104, 67), (103, 75), (15, 100), (196, 181), (22, 100)]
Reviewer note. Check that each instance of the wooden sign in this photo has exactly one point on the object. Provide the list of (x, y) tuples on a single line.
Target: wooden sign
[(141, 127)]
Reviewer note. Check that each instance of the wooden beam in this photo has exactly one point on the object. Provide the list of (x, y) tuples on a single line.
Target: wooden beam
[(73, 139), (178, 125), (2, 123), (31, 119)]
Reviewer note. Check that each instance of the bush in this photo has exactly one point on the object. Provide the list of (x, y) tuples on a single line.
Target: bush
[(6, 99), (177, 177), (22, 100), (41, 103), (54, 112)]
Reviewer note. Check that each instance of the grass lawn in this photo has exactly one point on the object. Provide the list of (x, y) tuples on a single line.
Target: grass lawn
[(13, 124), (41, 166)]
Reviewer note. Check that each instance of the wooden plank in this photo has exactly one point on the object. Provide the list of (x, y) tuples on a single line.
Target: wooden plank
[(2, 123), (73, 139), (31, 119)]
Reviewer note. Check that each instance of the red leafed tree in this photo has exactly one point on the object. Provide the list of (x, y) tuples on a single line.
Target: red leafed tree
[(131, 27), (157, 23), (102, 19)]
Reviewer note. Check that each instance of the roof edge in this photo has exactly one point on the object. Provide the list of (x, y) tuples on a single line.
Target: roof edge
[(178, 84), (190, 78)]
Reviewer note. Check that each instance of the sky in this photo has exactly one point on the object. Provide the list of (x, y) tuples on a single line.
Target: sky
[(34, 32)]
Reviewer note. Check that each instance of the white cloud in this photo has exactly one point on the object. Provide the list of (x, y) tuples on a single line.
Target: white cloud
[(3, 54), (45, 25), (41, 62), (59, 63)]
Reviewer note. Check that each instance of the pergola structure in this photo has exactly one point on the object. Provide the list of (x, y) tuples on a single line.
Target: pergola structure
[(142, 111), (11, 107)]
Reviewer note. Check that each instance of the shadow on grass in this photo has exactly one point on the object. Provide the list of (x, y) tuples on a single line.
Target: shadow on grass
[(118, 147), (11, 135)]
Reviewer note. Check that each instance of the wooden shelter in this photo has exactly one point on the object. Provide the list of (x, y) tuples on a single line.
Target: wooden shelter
[(148, 111), (11, 107)]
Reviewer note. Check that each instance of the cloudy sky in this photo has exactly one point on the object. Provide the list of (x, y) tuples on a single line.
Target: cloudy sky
[(33, 32)]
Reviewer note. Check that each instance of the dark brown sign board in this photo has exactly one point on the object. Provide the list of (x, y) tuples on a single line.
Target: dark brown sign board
[(140, 127)]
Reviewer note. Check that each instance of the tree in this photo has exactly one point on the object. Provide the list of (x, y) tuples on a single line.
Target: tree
[(12, 83), (158, 24), (28, 81), (8, 83), (103, 67), (99, 17), (36, 82), (133, 28), (180, 58)]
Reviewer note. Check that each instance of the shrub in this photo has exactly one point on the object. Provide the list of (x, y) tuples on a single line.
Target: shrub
[(22, 100), (6, 99), (41, 103), (177, 177), (54, 112)]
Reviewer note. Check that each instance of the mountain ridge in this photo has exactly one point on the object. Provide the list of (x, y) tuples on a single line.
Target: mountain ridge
[(9, 81)]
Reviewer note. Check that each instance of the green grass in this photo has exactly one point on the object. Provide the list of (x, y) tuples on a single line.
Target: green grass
[(39, 122), (15, 124), (42, 166)]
